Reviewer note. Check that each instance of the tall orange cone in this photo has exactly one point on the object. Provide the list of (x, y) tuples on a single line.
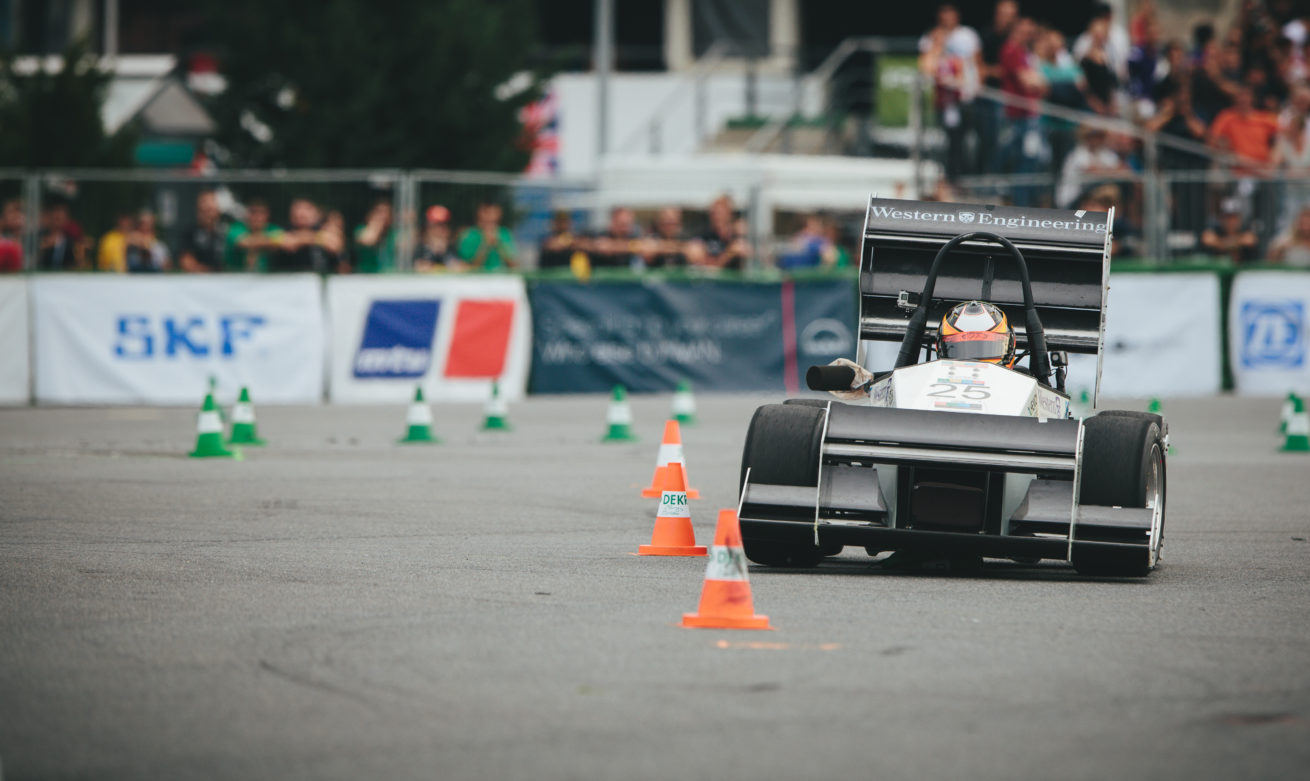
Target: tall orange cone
[(725, 600), (670, 452), (673, 534)]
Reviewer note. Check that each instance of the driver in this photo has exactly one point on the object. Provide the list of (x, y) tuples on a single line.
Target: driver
[(971, 331), (976, 331)]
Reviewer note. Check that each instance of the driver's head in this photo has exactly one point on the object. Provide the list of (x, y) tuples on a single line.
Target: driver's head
[(976, 331)]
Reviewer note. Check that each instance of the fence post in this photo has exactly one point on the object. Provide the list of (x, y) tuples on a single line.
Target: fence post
[(916, 132), (407, 208), (31, 220), (1154, 212), (655, 136)]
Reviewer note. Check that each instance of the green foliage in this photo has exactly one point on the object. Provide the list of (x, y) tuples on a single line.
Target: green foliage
[(376, 83), (51, 118)]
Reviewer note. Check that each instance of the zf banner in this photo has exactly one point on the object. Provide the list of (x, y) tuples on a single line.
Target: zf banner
[(159, 339), (1267, 323), (720, 335), (451, 335), (15, 356)]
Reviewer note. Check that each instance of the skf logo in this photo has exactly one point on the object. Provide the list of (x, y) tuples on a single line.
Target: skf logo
[(397, 339), (400, 335), (142, 337), (1273, 334)]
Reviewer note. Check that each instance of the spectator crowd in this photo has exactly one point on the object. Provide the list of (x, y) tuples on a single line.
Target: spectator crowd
[(1231, 96), (244, 237)]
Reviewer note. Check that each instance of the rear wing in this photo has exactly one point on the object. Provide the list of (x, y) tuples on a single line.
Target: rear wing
[(1068, 256)]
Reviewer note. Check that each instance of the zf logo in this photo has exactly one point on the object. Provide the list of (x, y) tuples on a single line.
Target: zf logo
[(1273, 334)]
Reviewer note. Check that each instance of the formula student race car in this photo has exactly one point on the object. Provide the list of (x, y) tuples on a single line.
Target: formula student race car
[(970, 453)]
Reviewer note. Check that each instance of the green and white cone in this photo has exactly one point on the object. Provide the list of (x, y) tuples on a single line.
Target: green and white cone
[(619, 418), (496, 413), (213, 391), (209, 433), (419, 420), (1289, 404), (243, 422), (1081, 407), (1298, 429), (684, 404), (1155, 406)]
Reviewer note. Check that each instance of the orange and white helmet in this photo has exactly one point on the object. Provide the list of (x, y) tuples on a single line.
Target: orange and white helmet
[(976, 331)]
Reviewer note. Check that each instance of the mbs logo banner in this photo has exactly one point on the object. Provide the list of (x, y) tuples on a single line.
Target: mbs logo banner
[(400, 337)]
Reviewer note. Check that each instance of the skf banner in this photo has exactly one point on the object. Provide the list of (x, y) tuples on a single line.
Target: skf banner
[(15, 355), (158, 339), (721, 335), (1268, 319), (1162, 338), (452, 335)]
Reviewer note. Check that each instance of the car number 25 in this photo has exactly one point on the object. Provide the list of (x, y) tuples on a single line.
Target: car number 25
[(959, 390)]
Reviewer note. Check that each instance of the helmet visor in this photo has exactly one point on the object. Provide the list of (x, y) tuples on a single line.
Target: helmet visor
[(975, 345)]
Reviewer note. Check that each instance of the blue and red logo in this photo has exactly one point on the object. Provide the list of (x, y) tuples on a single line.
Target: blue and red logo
[(400, 335)]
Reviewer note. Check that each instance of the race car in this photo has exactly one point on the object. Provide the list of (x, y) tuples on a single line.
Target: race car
[(966, 446)]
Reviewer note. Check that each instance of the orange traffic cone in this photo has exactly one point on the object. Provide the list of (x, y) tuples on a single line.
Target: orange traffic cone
[(670, 451), (725, 601), (673, 535)]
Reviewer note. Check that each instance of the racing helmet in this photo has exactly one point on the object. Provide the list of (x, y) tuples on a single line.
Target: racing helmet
[(976, 331)]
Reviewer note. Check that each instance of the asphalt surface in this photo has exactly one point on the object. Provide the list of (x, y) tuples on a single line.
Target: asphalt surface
[(335, 606)]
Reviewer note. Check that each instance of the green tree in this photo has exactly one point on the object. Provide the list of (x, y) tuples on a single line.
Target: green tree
[(374, 83), (51, 117)]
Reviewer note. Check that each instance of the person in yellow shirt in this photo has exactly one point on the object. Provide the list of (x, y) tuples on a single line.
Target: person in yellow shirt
[(112, 253)]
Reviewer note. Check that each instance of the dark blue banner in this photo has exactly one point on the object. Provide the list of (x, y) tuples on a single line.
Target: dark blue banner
[(723, 336)]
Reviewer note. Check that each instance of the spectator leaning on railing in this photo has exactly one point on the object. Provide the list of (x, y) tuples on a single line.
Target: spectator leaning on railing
[(61, 243), (204, 241), (375, 240), (251, 243), (435, 251), (145, 252), (724, 245), (488, 245), (111, 255)]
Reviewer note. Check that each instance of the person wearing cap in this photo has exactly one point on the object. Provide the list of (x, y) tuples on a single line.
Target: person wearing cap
[(1229, 236), (434, 251), (488, 245)]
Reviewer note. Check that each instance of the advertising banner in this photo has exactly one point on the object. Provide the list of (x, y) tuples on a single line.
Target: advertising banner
[(451, 335), (15, 352), (1267, 324), (104, 339), (1163, 337), (723, 336)]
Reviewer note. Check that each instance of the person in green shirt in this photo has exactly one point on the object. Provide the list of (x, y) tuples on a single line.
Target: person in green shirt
[(375, 240), (488, 245), (249, 244)]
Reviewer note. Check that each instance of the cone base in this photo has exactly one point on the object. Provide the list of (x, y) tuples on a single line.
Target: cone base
[(235, 455), (418, 441), (1295, 445), (247, 442), (651, 492), (686, 420), (694, 621), (672, 550), (625, 436), (496, 424)]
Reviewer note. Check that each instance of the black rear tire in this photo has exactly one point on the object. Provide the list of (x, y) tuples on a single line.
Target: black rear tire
[(782, 447), (1123, 465)]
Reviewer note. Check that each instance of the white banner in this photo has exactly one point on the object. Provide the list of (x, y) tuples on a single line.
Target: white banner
[(1268, 319), (15, 352), (1162, 338), (104, 339), (453, 335)]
